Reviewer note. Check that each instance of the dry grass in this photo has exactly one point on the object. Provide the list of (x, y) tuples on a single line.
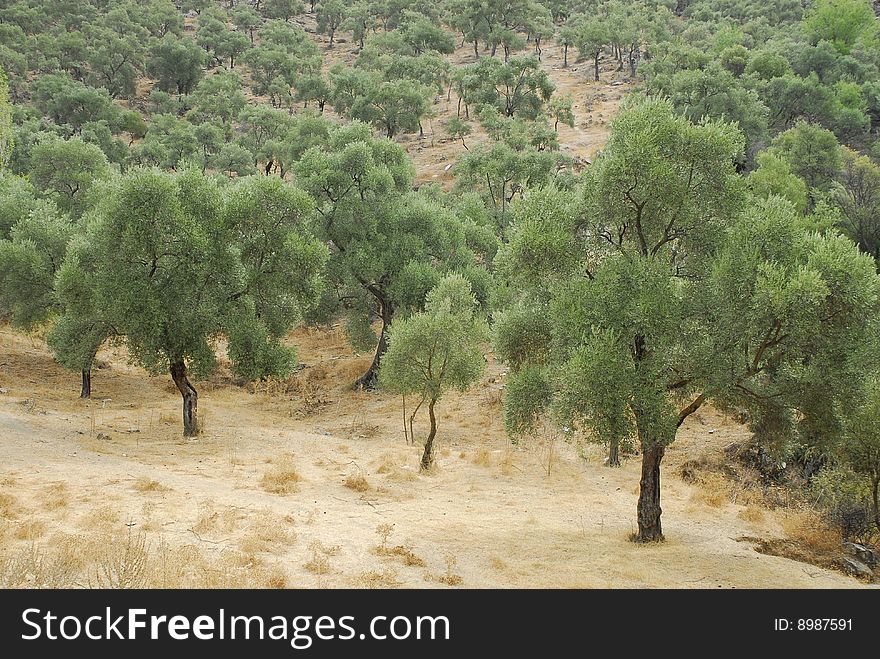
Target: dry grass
[(319, 563), (407, 556), (144, 484), (9, 507), (271, 533), (29, 529), (123, 563), (378, 579), (482, 457), (55, 496), (712, 489), (498, 563), (507, 463), (808, 540), (752, 513), (808, 529), (211, 520), (357, 483), (450, 577), (282, 477)]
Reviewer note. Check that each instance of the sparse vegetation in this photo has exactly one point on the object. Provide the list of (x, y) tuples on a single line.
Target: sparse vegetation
[(282, 477), (271, 200)]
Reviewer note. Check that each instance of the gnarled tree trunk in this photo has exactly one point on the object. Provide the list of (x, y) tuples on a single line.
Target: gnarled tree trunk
[(428, 455), (190, 399), (369, 379), (614, 453), (86, 391), (649, 510)]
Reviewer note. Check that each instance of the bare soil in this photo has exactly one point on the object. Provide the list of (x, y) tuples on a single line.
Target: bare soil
[(308, 483)]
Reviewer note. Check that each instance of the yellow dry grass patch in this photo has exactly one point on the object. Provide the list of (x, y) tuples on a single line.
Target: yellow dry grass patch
[(282, 477)]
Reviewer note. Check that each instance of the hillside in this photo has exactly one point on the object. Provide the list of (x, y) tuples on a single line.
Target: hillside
[(580, 229), (78, 474)]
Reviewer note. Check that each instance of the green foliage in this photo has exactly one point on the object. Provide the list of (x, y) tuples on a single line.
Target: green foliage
[(812, 152), (179, 261), (841, 22), (858, 197), (68, 101), (560, 110), (29, 260), (223, 44), (528, 392), (383, 237), (716, 93), (437, 349), (177, 64), (17, 198), (774, 176), (5, 121), (330, 14), (67, 170), (397, 106), (518, 87), (862, 444), (663, 289)]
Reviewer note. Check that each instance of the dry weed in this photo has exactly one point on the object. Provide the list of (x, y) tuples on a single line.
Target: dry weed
[(752, 514), (319, 563), (282, 477), (357, 483), (55, 496), (376, 579), (145, 484), (9, 507), (482, 457), (268, 534), (29, 529), (211, 520)]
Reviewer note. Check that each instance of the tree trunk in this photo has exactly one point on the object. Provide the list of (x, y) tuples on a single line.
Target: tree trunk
[(86, 391), (369, 379), (596, 67), (614, 453), (190, 399), (476, 49), (428, 455), (565, 56), (649, 510)]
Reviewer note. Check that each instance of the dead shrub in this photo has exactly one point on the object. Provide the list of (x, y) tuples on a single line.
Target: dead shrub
[(357, 483), (145, 484), (282, 477)]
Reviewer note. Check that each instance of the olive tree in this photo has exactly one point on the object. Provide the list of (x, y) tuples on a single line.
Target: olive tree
[(181, 261), (388, 245), (435, 350), (66, 170), (659, 286)]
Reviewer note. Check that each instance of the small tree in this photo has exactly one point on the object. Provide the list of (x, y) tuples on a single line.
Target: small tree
[(66, 170), (330, 15), (561, 111), (437, 349), (591, 37), (458, 129), (177, 63)]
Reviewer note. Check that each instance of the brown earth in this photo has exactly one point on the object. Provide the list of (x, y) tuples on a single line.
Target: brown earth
[(294, 483)]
